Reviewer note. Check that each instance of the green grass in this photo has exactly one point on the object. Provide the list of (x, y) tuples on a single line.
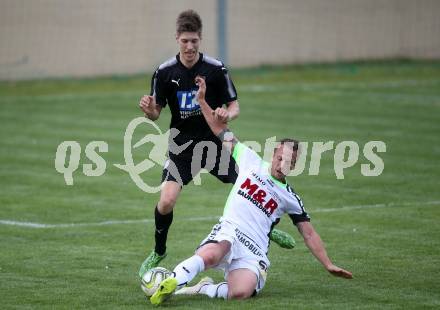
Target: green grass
[(392, 251)]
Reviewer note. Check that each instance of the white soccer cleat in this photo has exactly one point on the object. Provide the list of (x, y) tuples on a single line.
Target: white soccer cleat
[(194, 290)]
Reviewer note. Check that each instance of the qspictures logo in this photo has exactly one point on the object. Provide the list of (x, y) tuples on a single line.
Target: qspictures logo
[(346, 155)]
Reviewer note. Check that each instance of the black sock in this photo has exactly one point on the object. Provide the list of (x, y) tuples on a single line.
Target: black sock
[(163, 223)]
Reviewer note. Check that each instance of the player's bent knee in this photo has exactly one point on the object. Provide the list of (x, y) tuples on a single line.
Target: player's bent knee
[(210, 259), (241, 283), (168, 197), (239, 294), (166, 204), (213, 253), (210, 256)]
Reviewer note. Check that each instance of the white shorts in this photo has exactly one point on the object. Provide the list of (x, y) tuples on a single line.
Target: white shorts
[(244, 253)]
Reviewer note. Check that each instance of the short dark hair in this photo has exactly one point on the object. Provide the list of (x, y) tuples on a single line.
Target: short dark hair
[(293, 142), (189, 21)]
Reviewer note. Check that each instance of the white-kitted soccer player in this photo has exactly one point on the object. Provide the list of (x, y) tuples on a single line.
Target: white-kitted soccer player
[(239, 243)]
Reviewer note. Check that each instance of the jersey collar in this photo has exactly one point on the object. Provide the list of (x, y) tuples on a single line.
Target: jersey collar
[(278, 182), (195, 65)]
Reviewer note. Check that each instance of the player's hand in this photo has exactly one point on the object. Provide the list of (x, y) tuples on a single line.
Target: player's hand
[(147, 104), (339, 272), (200, 82), (222, 115)]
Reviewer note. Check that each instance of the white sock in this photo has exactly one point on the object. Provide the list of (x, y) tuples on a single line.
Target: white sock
[(219, 290), (188, 269)]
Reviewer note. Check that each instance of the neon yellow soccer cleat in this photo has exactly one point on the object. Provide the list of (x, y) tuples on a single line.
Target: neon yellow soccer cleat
[(165, 290)]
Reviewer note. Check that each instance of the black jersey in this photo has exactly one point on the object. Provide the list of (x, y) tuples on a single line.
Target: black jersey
[(174, 84)]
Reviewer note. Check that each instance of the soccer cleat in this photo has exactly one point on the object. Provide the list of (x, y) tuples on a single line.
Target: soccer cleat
[(151, 261), (193, 290), (282, 238), (165, 290)]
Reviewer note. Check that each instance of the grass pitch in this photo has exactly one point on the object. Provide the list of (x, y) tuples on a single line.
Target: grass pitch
[(384, 229)]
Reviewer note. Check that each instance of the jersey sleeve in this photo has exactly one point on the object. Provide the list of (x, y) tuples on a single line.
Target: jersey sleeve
[(225, 85), (244, 156), (296, 211), (158, 89)]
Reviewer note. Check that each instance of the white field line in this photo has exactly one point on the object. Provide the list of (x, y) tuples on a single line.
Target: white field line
[(111, 222), (207, 218)]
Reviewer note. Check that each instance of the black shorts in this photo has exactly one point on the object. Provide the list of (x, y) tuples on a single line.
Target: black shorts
[(183, 167)]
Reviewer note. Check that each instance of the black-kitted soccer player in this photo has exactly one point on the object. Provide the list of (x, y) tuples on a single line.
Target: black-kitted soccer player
[(173, 84)]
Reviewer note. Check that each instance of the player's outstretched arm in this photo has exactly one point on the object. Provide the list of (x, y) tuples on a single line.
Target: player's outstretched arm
[(217, 126), (316, 246)]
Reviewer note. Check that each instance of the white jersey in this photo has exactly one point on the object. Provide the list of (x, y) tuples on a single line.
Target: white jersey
[(257, 201)]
